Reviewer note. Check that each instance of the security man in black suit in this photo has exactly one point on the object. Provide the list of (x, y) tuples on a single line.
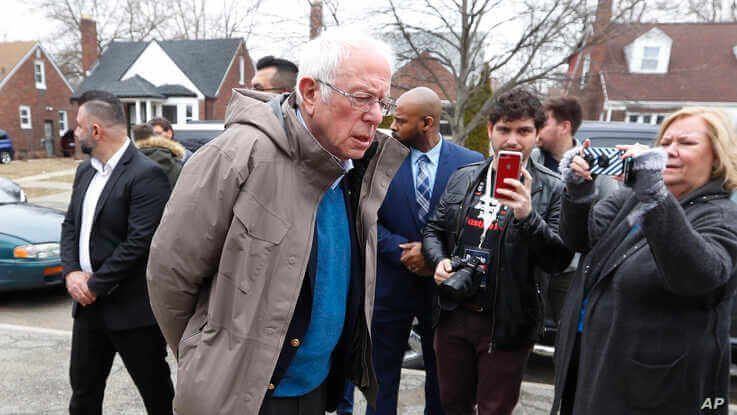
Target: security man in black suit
[(117, 201)]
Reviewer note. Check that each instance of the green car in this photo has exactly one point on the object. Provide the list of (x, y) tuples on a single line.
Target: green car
[(29, 241)]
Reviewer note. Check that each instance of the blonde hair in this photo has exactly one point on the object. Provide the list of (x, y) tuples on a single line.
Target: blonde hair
[(722, 136)]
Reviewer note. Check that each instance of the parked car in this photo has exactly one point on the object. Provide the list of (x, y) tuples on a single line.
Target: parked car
[(198, 133), (29, 241), (67, 143), (611, 133), (6, 148)]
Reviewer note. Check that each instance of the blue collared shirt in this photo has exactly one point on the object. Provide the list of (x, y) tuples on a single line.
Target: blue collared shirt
[(434, 155)]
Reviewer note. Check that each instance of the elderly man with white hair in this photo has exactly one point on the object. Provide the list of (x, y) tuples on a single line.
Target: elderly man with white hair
[(262, 272)]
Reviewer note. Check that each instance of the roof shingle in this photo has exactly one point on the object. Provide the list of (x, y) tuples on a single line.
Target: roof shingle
[(204, 61), (10, 55), (702, 68)]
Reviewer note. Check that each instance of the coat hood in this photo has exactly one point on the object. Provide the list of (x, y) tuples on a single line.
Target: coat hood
[(164, 143), (249, 107)]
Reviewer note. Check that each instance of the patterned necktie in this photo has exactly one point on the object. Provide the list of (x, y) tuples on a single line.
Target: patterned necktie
[(423, 191)]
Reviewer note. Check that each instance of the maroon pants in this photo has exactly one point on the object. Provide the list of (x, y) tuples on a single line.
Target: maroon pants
[(469, 375)]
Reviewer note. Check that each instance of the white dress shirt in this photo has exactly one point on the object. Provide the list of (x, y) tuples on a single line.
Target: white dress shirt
[(91, 197)]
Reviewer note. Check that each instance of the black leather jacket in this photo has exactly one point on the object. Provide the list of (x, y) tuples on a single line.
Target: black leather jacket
[(526, 246)]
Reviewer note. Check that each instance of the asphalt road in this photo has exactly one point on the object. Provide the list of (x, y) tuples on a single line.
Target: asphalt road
[(50, 309)]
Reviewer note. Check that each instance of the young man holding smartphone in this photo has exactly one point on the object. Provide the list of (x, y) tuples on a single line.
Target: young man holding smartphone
[(483, 341)]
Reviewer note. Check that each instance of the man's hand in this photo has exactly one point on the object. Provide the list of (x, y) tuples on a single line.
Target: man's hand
[(413, 259), (442, 271), (519, 199), (76, 283)]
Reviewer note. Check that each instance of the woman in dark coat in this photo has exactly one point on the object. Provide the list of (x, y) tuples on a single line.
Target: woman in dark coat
[(644, 329)]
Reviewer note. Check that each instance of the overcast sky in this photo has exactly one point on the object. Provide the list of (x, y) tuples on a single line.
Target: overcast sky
[(22, 22)]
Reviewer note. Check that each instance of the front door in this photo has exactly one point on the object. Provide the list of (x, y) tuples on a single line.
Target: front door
[(49, 137)]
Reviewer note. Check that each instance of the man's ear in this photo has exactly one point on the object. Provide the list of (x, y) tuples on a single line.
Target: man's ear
[(310, 91), (489, 128), (566, 126), (427, 122), (96, 131)]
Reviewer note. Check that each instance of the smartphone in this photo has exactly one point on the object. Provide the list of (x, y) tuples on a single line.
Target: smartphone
[(508, 167), (605, 161)]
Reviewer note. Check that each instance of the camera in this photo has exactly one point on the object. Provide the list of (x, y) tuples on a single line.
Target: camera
[(465, 281), (608, 161)]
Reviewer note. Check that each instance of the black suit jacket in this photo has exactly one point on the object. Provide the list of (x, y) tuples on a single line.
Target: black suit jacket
[(126, 216)]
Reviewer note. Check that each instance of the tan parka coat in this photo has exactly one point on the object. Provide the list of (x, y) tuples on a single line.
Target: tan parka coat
[(229, 257)]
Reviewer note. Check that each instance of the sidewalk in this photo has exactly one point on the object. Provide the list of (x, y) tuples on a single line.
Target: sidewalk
[(45, 191), (35, 365)]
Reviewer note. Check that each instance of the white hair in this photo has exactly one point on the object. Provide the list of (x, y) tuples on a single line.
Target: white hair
[(321, 57)]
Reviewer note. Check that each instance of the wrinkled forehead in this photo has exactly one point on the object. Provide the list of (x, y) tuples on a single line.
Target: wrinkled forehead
[(687, 127)]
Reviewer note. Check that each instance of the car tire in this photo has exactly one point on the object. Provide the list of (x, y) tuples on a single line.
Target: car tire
[(5, 157)]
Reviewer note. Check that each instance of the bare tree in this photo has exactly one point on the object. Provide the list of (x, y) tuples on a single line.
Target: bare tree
[(139, 20), (475, 40), (712, 11)]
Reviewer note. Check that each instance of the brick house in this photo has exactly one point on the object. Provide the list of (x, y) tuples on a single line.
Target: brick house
[(181, 80), (642, 72), (424, 70), (34, 100)]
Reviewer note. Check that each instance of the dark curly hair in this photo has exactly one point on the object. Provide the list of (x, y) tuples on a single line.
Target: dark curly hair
[(517, 104)]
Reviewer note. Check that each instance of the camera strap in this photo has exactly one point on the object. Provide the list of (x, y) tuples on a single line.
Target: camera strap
[(489, 206)]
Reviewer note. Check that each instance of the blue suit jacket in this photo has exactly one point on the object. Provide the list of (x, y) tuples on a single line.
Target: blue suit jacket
[(397, 289)]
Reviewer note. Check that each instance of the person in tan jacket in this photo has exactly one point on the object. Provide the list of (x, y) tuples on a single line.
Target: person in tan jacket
[(262, 272)]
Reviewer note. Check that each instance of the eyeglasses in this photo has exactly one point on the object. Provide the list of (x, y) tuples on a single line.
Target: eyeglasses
[(363, 101)]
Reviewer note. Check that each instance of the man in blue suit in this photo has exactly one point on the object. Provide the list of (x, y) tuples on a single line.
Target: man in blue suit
[(404, 283)]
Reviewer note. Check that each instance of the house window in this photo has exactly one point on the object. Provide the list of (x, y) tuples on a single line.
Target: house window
[(62, 122), (585, 70), (25, 116), (170, 113), (650, 58), (242, 70), (39, 74), (645, 118), (188, 116)]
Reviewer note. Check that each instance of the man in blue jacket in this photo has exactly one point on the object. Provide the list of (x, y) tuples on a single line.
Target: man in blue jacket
[(405, 289)]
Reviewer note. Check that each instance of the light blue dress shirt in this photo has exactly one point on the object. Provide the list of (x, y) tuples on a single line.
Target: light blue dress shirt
[(432, 168)]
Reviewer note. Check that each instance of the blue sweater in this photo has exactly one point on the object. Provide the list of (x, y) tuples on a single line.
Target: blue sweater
[(311, 363)]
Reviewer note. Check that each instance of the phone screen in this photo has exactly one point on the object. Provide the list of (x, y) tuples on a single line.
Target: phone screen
[(508, 167)]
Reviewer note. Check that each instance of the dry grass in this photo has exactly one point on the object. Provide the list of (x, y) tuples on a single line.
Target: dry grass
[(22, 168)]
